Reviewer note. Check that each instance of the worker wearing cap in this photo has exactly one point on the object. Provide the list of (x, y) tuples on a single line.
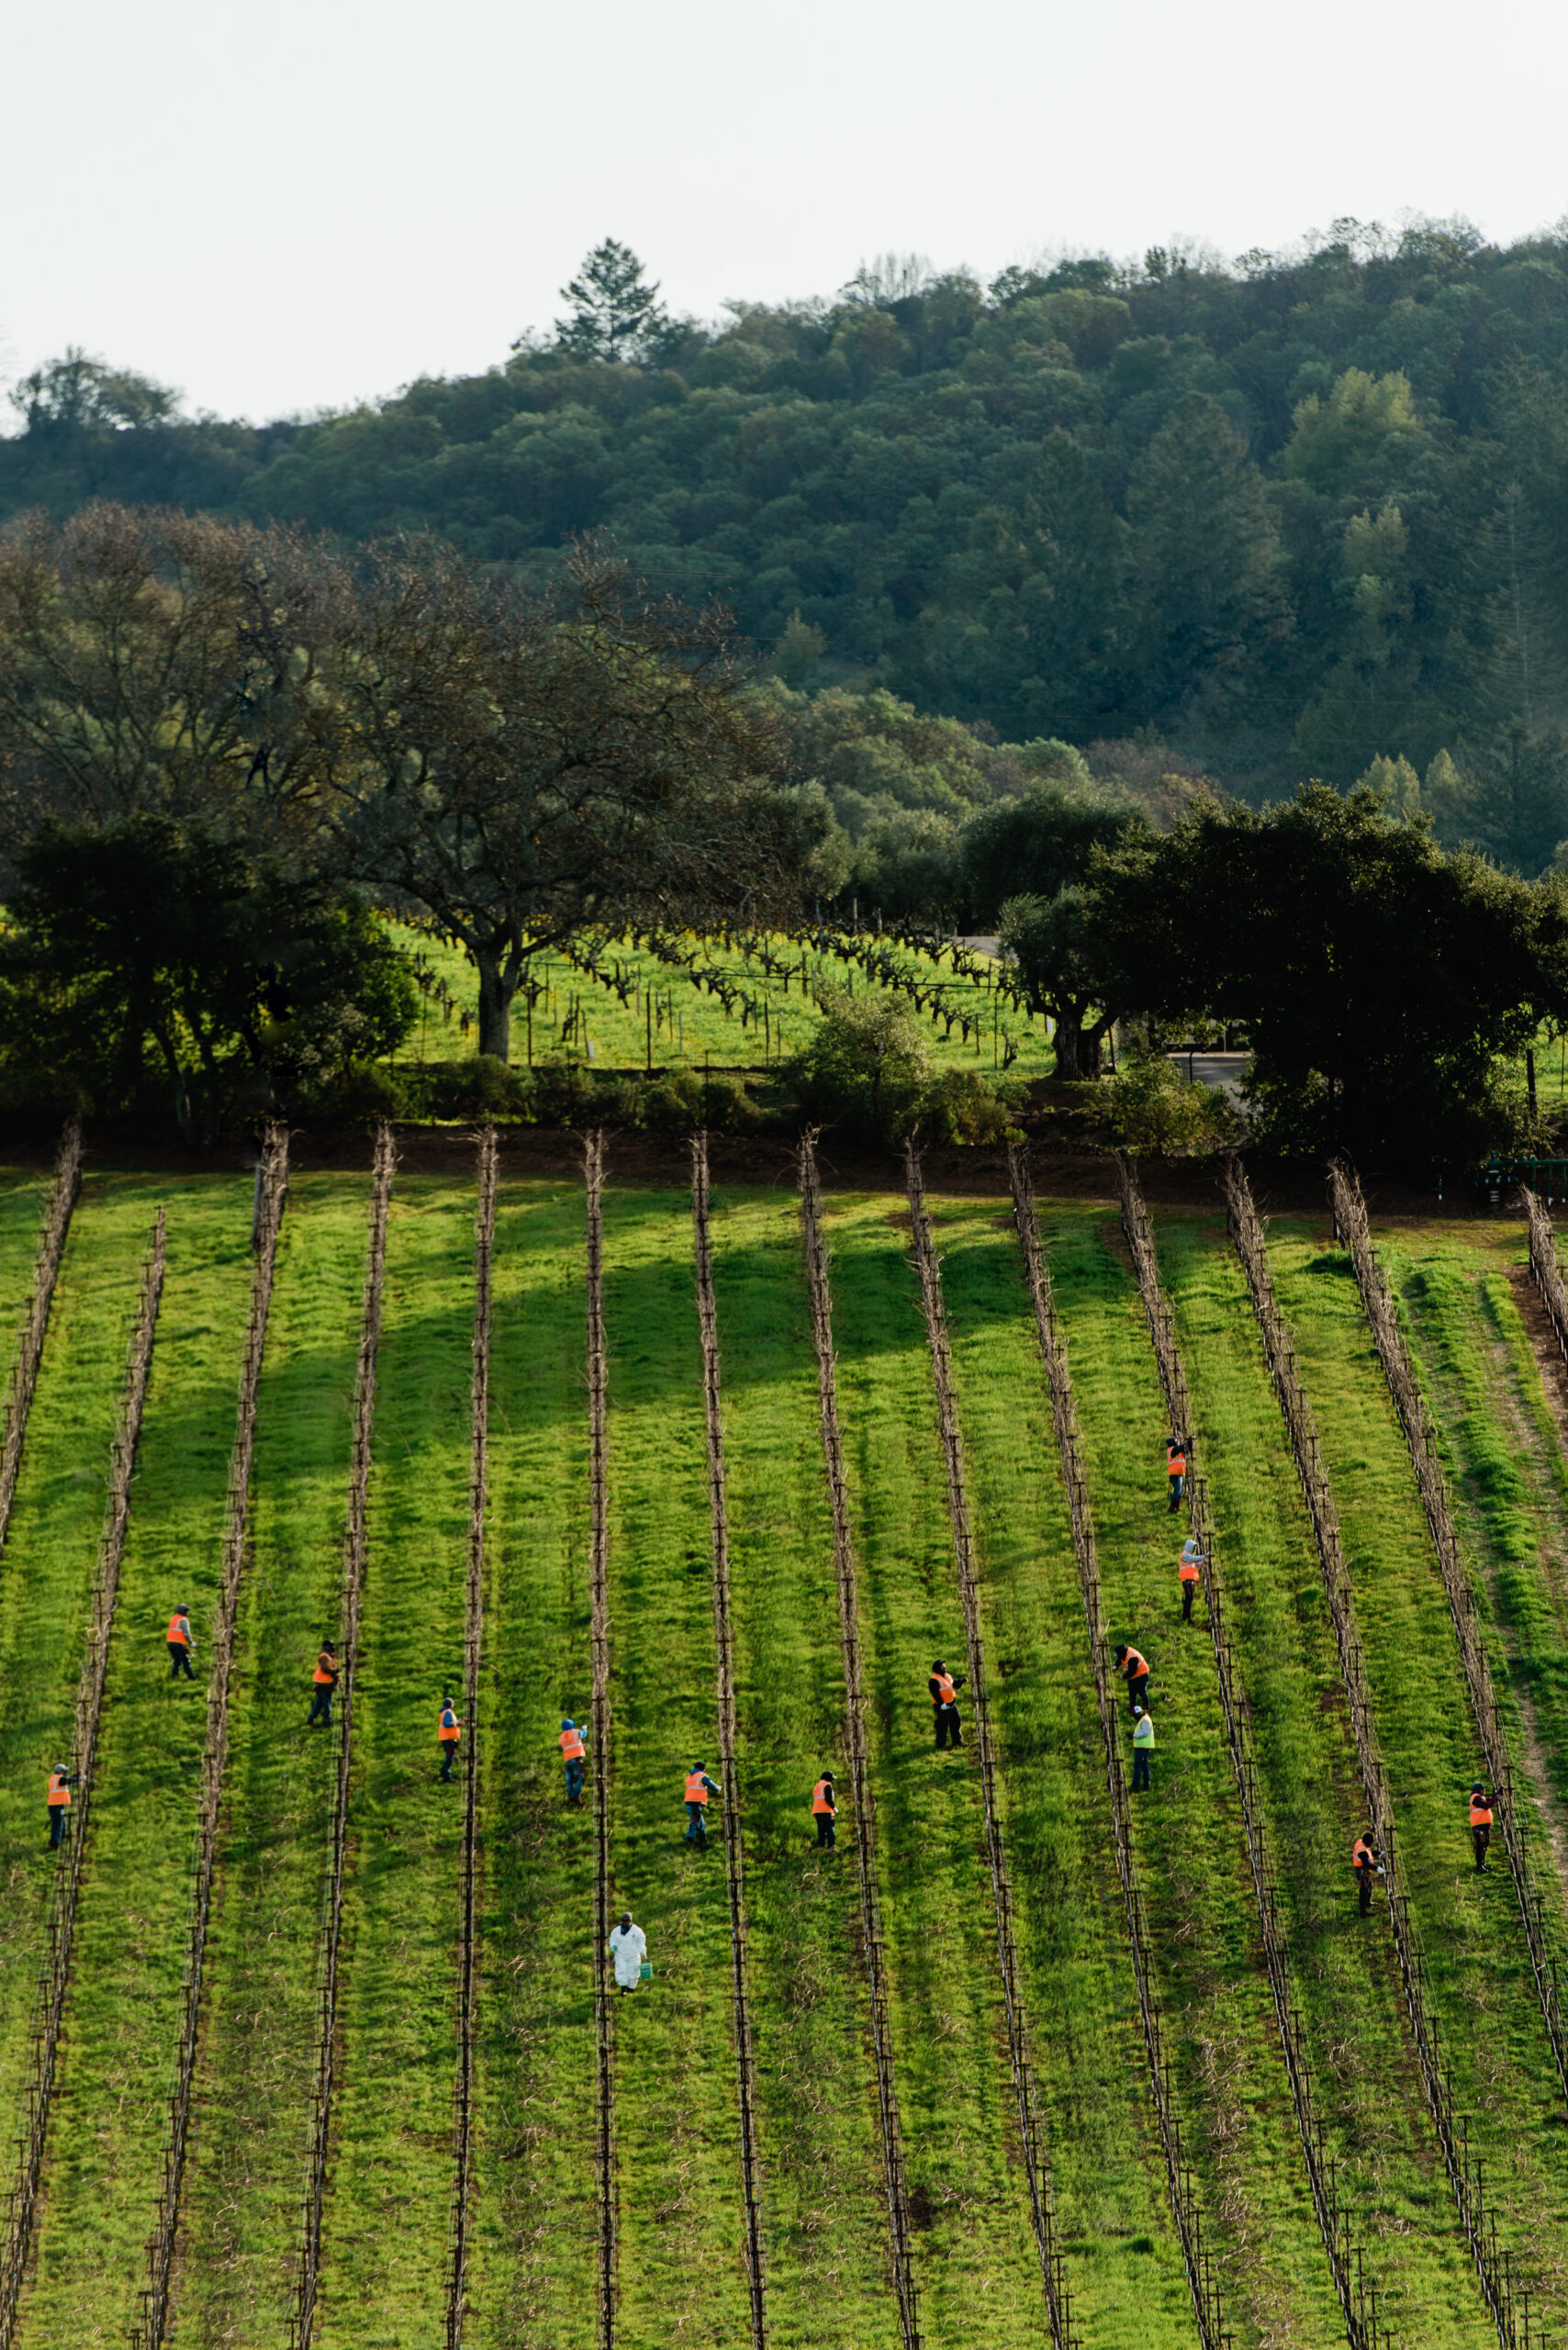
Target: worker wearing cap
[(180, 1644), (1480, 1825), (59, 1801), (1189, 1569), (943, 1687), (1176, 1472), (1364, 1861), (448, 1731), (825, 1809), (574, 1753), (699, 1788), (1135, 1668), (324, 1681), (1143, 1746)]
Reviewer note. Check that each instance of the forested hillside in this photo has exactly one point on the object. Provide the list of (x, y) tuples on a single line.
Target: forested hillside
[(1288, 516)]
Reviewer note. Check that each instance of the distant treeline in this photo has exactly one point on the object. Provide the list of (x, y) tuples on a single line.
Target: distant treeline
[(1287, 516)]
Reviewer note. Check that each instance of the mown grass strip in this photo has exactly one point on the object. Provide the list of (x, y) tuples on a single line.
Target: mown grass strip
[(1362, 2329), (302, 2318), (1036, 2166), (1420, 1437), (473, 1661), (23, 2200), (150, 2333), (723, 1649), (35, 1322), (601, 1735), (859, 1760), (1203, 2283)]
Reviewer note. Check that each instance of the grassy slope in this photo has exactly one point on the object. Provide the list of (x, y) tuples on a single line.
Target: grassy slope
[(1486, 2007), (23, 1198), (1365, 2074), (46, 1575), (823, 2199), (682, 2256), (247, 2177), (131, 1926), (532, 2276), (386, 2225), (1240, 2133), (976, 2260), (1124, 2265)]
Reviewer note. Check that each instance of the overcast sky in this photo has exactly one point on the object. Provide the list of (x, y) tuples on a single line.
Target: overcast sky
[(298, 205)]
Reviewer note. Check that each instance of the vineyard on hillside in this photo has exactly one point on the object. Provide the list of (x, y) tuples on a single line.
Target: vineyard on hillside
[(303, 2045)]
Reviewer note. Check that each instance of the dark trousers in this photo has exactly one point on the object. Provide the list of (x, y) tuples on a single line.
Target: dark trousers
[(1189, 1586), (58, 1814), (179, 1661), (948, 1730), (1141, 1768), (448, 1756), (1364, 1879), (1177, 1487), (696, 1826), (1137, 1690), (321, 1704), (825, 1835), (574, 1780), (1481, 1837)]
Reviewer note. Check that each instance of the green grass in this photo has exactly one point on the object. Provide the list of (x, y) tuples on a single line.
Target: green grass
[(1484, 2002), (23, 1199)]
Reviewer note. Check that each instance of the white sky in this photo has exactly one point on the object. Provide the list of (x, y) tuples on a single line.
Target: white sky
[(285, 206)]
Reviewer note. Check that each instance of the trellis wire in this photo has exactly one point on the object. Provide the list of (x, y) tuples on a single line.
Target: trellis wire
[(61, 1924), (272, 1173), (1357, 2301), (1421, 1437), (599, 1736), (1201, 2281), (723, 1645), (302, 2317), (35, 1322), (859, 1757), (1510, 2313), (473, 1650)]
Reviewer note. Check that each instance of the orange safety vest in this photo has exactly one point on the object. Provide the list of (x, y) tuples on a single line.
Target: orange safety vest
[(1360, 1854), (948, 1689), (58, 1793), (822, 1797), (1135, 1665), (1188, 1570), (180, 1630), (572, 1745), (1175, 1464), (1480, 1814), (325, 1669), (449, 1732), (696, 1786)]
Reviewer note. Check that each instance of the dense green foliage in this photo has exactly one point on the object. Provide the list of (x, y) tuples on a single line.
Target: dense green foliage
[(1301, 512)]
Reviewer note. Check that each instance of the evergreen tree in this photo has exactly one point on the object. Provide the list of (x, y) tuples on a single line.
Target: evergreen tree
[(615, 314)]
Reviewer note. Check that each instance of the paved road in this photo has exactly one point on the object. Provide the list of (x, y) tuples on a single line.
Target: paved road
[(1214, 1068)]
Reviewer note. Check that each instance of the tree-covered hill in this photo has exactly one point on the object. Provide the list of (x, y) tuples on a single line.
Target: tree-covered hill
[(1289, 516)]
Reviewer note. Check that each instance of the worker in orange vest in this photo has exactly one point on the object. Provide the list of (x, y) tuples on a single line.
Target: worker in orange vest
[(944, 1688), (1135, 1668), (448, 1732), (1480, 1825), (699, 1788), (1176, 1472), (574, 1753), (1366, 1865), (1189, 1569), (58, 1802), (180, 1644), (825, 1809), (325, 1680)]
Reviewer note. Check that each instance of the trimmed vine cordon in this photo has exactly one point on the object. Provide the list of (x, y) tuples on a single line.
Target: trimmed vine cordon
[(1508, 2308), (302, 2318), (859, 1755), (600, 1735), (1031, 2125), (150, 2333), (1420, 1436), (35, 1322), (1358, 2301), (61, 1925), (723, 1645), (1203, 2284)]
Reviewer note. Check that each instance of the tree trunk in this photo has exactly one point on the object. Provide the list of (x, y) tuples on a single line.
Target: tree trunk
[(1070, 1046), (495, 993)]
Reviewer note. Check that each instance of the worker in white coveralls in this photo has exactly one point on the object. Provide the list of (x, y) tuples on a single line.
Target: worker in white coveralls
[(628, 1948)]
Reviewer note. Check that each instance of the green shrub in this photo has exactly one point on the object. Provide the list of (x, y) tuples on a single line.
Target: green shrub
[(866, 1070), (1149, 1107), (965, 1107)]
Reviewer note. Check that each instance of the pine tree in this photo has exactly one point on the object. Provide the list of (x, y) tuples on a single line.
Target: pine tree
[(614, 315)]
